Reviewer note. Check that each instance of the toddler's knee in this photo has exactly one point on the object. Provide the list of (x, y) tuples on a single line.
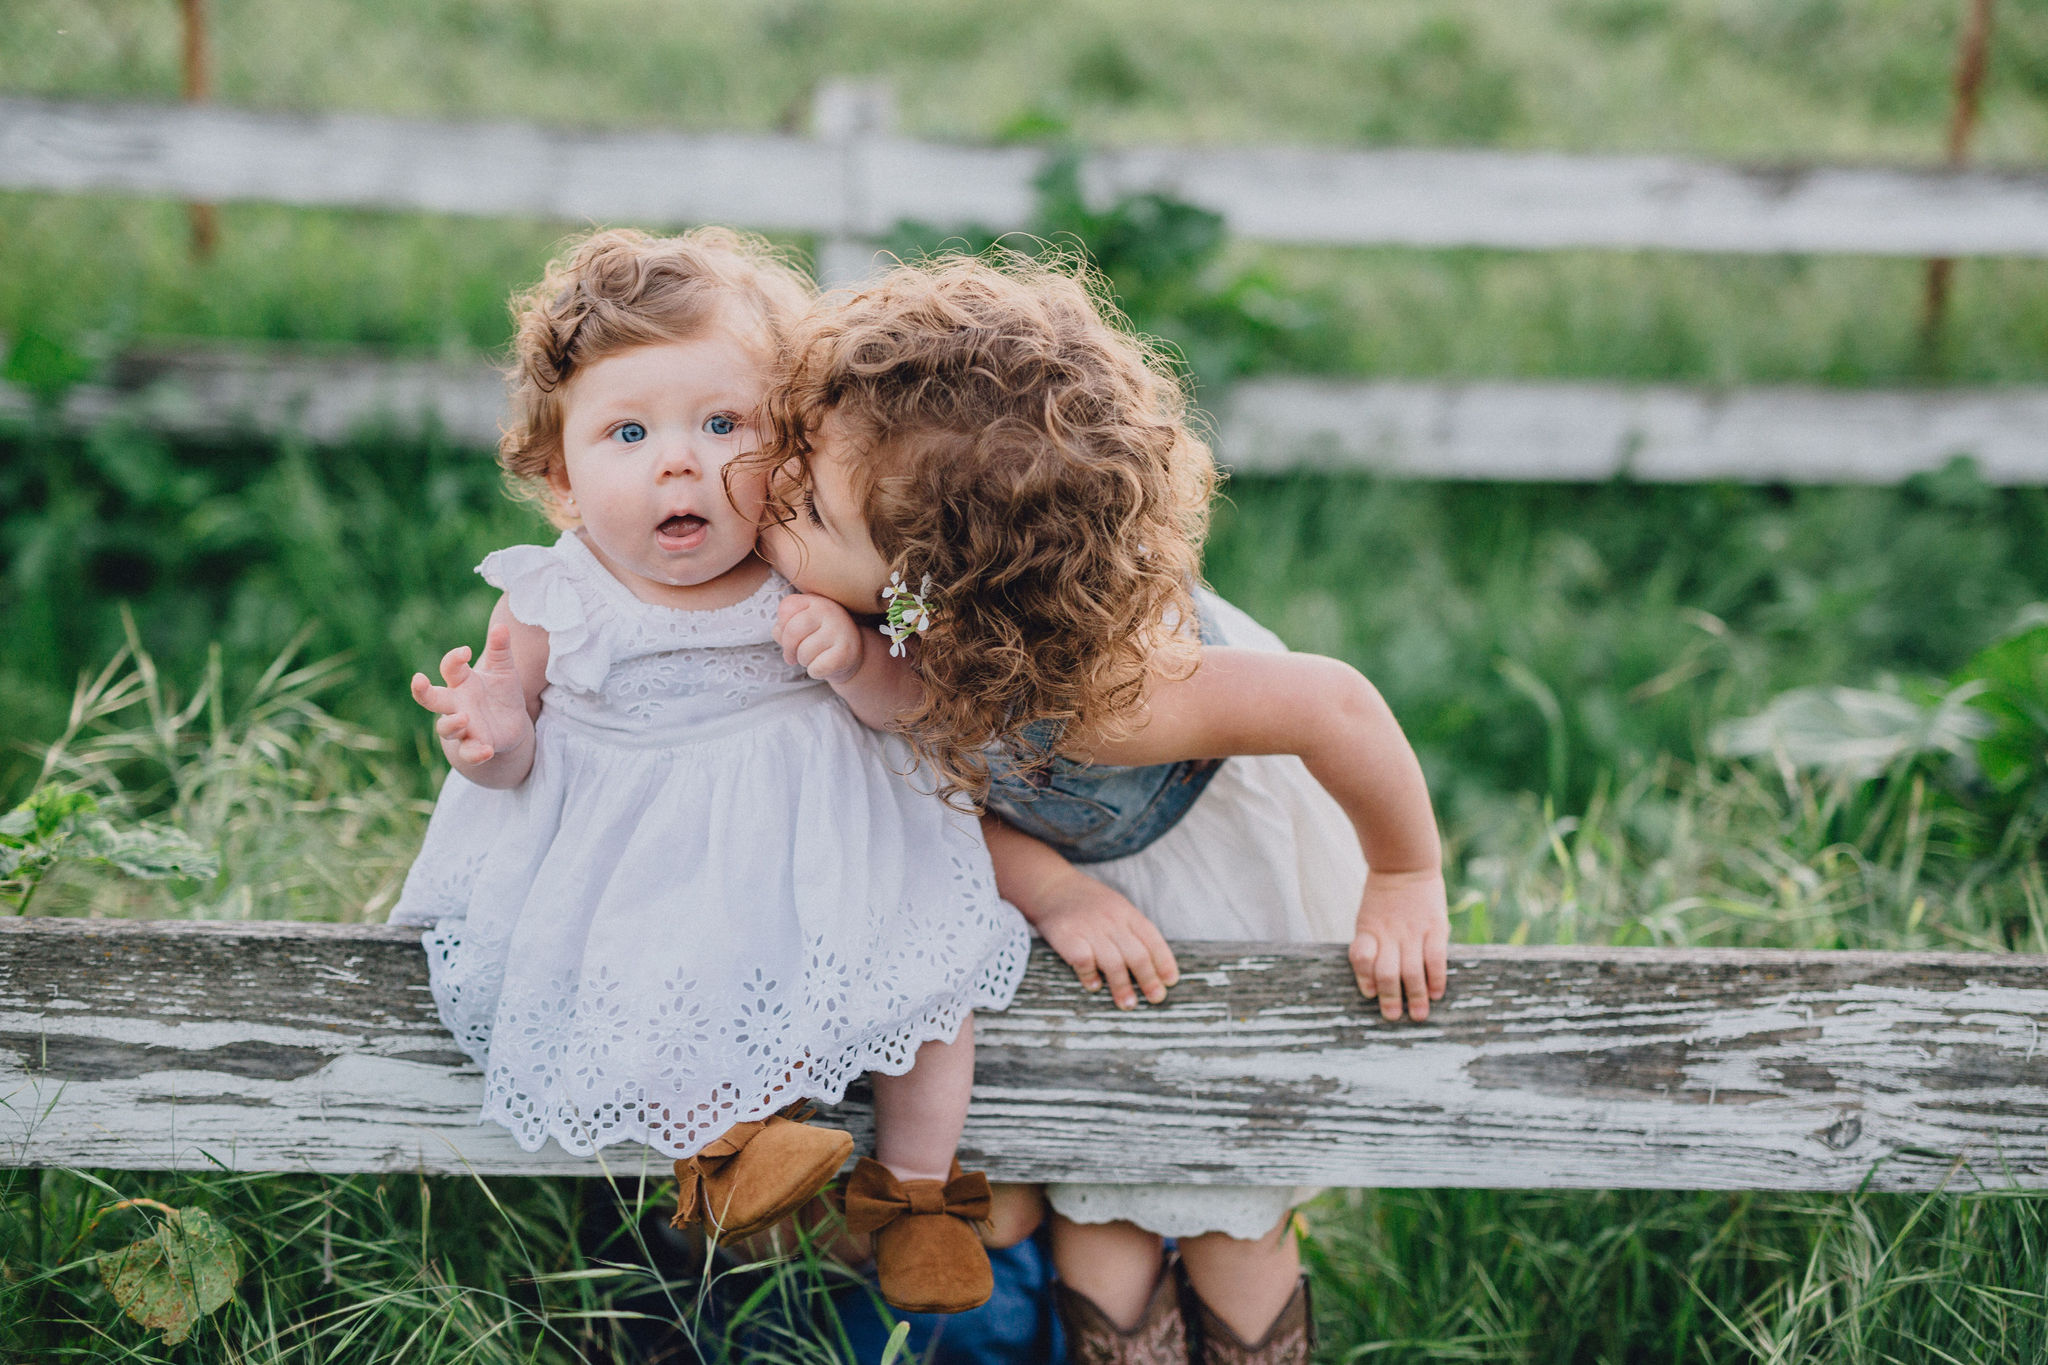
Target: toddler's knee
[(1014, 1215)]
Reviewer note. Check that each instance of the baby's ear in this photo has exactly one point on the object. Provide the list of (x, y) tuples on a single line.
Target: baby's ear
[(561, 501)]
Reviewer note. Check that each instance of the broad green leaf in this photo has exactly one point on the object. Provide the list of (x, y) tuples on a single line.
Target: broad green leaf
[(147, 850), (171, 1279), (2014, 672), (1855, 732)]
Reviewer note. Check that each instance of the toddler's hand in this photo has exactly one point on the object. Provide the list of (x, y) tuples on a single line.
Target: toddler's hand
[(819, 635), (483, 709), (1404, 928), (1103, 937)]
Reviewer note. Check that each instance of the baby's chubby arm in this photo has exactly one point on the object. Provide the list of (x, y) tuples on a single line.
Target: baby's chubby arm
[(1252, 702), (487, 712), (822, 637)]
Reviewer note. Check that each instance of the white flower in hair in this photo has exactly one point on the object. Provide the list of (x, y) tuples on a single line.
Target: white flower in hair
[(908, 613)]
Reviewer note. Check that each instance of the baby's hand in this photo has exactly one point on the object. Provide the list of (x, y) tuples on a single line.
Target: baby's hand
[(1404, 929), (483, 709), (820, 635), (1103, 937)]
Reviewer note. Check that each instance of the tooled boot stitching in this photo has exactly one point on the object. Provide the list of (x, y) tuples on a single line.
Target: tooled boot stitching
[(1291, 1340), (1159, 1338)]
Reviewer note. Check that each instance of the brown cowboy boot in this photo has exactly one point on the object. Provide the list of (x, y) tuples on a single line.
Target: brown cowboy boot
[(756, 1174), (928, 1256), (1291, 1340), (1158, 1338)]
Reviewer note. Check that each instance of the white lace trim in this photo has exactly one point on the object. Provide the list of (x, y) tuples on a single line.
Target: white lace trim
[(583, 1033)]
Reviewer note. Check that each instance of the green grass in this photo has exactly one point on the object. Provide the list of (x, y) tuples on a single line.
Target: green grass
[(402, 1269), (1416, 1277), (1749, 78), (1560, 654), (97, 274)]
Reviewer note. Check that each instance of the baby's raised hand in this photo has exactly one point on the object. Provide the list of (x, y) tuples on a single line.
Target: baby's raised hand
[(820, 636), (1404, 931), (482, 710), (1104, 937)]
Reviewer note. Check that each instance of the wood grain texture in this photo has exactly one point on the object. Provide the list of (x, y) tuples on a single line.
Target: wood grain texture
[(306, 1047), (1416, 429), (861, 183), (1658, 433)]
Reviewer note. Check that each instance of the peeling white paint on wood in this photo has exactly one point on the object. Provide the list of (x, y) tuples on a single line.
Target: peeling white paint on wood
[(862, 181), (304, 1047), (1433, 430), (1658, 433)]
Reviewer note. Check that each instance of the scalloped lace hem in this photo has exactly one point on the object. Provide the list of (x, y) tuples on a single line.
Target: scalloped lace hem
[(679, 1128)]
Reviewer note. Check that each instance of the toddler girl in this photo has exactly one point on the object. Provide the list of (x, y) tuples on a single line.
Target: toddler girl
[(986, 446), (675, 887)]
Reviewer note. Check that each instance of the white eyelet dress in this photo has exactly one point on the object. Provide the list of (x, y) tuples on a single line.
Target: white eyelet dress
[(715, 894)]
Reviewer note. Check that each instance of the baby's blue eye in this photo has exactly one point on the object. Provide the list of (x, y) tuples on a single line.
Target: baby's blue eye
[(631, 432), (721, 425)]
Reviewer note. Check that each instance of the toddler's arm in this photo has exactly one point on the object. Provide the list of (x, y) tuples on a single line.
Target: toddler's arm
[(487, 712), (1252, 702), (823, 637), (1099, 933)]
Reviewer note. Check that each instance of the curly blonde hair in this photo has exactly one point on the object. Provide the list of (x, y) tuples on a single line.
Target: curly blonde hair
[(1013, 439), (613, 290)]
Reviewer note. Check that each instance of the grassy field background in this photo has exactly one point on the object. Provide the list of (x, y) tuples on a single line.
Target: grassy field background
[(1768, 79), (1565, 657)]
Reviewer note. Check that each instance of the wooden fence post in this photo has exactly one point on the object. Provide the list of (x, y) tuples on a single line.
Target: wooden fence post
[(198, 88), (849, 114), (1972, 54)]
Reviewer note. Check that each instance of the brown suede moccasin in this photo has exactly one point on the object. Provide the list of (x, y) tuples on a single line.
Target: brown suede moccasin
[(928, 1257), (757, 1174)]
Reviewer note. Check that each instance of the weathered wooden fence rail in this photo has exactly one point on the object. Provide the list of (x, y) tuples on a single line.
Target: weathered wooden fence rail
[(857, 180), (306, 1047), (1438, 430)]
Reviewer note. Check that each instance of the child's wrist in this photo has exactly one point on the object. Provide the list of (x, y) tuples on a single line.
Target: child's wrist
[(1054, 887), (1412, 872)]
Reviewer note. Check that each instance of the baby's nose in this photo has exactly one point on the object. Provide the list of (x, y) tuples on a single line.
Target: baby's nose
[(679, 458)]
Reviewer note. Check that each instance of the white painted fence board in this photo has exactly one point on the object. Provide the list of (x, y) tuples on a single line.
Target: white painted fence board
[(861, 183), (1659, 433), (1420, 429), (293, 1047), (1548, 199)]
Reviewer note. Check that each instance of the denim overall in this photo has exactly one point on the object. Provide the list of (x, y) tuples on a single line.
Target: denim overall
[(1093, 812)]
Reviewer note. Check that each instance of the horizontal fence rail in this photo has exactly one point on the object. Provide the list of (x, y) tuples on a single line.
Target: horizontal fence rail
[(1438, 430), (859, 181), (307, 1047)]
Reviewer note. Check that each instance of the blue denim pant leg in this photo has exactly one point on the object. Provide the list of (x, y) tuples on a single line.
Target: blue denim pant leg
[(1015, 1327)]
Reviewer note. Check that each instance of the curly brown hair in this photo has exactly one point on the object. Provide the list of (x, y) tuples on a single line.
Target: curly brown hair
[(612, 290), (1015, 440)]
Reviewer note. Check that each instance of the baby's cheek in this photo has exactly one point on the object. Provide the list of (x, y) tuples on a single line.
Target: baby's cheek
[(747, 492)]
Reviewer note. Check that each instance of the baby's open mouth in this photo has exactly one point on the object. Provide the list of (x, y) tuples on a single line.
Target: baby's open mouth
[(685, 525)]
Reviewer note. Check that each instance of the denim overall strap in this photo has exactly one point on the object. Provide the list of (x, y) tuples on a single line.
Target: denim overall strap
[(1093, 812)]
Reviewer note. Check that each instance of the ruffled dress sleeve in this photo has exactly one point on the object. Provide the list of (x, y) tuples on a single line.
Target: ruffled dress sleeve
[(543, 587)]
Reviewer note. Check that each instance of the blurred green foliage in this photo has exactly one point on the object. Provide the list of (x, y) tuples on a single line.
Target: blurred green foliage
[(1642, 610), (86, 276), (1769, 79), (1560, 654)]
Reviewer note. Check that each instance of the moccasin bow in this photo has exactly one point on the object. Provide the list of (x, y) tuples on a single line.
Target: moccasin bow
[(692, 1172), (755, 1174), (875, 1198), (928, 1258)]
